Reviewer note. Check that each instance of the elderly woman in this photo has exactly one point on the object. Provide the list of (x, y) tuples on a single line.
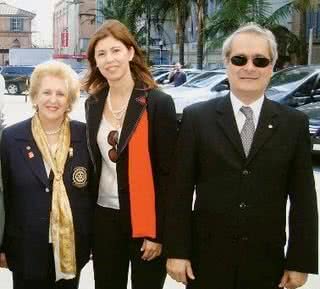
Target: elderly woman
[(48, 204)]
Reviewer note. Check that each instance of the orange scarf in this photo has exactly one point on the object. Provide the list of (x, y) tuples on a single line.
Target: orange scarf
[(141, 186)]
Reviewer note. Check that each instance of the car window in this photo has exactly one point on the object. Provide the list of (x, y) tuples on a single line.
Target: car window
[(290, 76), (204, 79), (306, 88)]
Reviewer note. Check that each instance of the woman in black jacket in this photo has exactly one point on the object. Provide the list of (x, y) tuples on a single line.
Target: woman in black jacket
[(131, 130)]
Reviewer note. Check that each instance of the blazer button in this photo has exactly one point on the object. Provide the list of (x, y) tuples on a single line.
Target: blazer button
[(243, 205), (244, 238), (47, 190), (245, 172)]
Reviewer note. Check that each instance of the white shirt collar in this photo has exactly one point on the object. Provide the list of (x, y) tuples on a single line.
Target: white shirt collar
[(255, 106)]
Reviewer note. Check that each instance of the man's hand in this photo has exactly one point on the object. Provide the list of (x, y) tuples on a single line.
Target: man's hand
[(180, 270), (150, 250), (293, 279), (3, 260)]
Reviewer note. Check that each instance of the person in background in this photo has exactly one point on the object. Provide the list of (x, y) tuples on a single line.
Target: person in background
[(48, 204), (177, 75), (132, 131), (245, 156)]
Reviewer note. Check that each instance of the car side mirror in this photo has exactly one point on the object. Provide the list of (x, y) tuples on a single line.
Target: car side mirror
[(221, 87)]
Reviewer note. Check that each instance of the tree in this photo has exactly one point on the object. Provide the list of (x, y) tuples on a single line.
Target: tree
[(233, 13), (201, 16)]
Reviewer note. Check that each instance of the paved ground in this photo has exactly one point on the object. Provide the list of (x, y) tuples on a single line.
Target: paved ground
[(16, 109)]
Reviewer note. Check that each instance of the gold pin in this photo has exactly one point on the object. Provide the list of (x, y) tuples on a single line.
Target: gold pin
[(270, 126), (30, 155), (28, 148)]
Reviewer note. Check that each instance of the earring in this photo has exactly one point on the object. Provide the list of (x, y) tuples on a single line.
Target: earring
[(35, 107)]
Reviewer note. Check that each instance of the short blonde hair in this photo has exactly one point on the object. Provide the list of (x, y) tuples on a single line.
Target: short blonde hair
[(57, 69), (253, 28)]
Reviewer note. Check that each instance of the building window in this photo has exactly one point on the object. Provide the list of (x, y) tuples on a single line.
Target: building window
[(16, 24)]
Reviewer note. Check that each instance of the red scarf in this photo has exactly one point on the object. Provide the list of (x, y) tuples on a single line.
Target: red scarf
[(141, 186)]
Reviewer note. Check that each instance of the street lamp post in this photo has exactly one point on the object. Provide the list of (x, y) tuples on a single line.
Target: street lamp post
[(160, 46)]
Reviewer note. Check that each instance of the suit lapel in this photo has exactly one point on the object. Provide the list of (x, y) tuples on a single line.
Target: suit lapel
[(94, 111), (227, 122), (137, 105), (267, 125), (32, 155)]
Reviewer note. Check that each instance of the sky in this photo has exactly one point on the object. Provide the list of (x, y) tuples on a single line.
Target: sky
[(42, 23)]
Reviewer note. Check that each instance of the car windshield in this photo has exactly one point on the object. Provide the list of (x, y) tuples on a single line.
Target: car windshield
[(204, 79), (287, 80)]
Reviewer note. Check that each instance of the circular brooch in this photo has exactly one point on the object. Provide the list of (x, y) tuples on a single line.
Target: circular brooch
[(79, 177)]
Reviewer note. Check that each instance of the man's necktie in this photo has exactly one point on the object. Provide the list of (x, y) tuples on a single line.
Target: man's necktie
[(248, 129)]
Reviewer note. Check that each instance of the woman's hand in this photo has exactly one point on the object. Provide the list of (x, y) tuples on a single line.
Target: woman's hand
[(3, 260), (150, 250)]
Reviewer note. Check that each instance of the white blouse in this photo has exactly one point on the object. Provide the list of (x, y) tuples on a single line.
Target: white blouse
[(108, 195)]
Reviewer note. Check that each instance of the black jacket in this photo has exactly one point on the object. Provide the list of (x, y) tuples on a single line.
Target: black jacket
[(162, 137), (238, 224)]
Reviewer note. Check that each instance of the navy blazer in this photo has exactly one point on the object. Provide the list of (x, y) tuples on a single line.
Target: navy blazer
[(28, 194)]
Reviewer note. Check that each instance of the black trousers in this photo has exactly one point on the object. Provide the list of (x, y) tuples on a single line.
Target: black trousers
[(114, 248), (19, 282)]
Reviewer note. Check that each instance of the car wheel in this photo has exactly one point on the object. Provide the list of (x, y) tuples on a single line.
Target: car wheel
[(13, 88)]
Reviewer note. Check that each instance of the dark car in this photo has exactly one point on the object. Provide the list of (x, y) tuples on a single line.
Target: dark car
[(312, 110), (295, 86), (17, 78)]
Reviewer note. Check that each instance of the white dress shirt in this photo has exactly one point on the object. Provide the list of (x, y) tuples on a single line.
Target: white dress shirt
[(239, 116)]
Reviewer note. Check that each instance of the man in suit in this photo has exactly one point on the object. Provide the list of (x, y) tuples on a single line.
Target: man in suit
[(244, 156)]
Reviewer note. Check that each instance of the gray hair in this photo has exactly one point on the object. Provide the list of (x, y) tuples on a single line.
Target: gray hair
[(254, 28)]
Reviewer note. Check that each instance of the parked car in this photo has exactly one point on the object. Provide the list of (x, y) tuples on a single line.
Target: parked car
[(312, 110), (205, 86), (295, 86), (17, 78)]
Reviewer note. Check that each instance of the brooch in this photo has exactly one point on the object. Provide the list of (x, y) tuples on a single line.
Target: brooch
[(79, 177)]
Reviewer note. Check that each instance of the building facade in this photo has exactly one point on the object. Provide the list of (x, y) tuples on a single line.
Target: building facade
[(15, 30), (73, 24)]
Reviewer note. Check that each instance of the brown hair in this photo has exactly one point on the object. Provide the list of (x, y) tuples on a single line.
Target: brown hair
[(94, 80)]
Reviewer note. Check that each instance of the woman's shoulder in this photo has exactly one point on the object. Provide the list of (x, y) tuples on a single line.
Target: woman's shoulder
[(159, 96), (77, 125), (18, 128)]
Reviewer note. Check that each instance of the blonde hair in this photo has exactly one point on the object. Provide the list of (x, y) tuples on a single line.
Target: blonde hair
[(57, 69)]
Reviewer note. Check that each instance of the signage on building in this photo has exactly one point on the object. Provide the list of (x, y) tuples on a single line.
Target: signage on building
[(64, 39)]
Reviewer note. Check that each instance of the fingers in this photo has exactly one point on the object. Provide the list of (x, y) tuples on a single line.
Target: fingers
[(3, 261), (284, 280), (180, 270), (151, 250), (293, 280), (190, 272)]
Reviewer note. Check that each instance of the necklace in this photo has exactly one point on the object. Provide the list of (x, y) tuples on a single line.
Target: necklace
[(117, 114), (52, 132)]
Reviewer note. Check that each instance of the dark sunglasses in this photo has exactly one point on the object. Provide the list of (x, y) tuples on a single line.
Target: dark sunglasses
[(113, 138), (241, 60)]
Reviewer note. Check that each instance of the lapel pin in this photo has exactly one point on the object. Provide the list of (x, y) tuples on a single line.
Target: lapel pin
[(30, 155), (28, 148), (70, 152), (270, 126), (141, 100)]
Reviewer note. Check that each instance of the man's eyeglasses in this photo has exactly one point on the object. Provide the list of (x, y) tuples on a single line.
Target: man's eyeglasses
[(241, 60), (113, 139)]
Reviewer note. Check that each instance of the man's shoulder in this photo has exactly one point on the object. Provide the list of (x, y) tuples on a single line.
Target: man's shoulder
[(206, 106), (287, 111)]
